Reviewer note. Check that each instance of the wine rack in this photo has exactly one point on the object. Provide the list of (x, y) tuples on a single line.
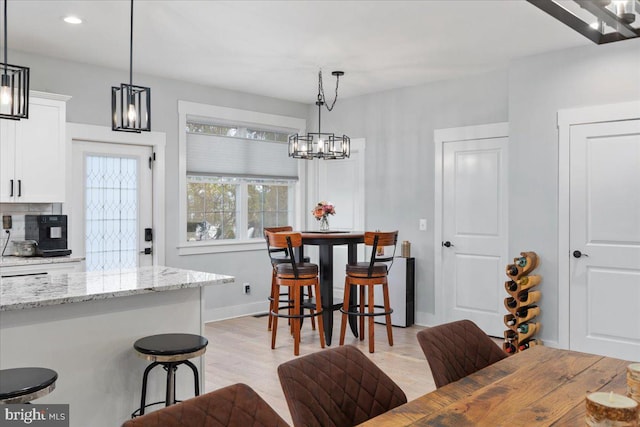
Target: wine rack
[(522, 304)]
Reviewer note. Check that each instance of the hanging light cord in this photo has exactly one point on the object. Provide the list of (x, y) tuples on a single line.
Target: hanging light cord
[(130, 47), (5, 37), (321, 96)]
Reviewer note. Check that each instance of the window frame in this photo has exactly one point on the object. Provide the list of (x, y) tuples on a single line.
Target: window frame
[(211, 113)]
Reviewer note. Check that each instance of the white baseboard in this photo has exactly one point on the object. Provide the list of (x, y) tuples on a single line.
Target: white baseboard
[(422, 318), (231, 312)]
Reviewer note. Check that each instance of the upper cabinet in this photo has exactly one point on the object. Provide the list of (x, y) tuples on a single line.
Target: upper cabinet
[(33, 154)]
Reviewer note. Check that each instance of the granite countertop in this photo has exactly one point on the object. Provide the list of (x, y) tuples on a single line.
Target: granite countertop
[(17, 293), (14, 261)]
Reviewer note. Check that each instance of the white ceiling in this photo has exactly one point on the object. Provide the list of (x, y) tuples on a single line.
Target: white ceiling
[(275, 48)]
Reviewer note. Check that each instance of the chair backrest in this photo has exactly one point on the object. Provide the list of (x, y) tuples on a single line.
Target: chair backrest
[(457, 349), (381, 239), (271, 251), (235, 405), (337, 387)]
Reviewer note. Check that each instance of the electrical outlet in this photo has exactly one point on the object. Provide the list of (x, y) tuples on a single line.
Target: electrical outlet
[(246, 288), (422, 226)]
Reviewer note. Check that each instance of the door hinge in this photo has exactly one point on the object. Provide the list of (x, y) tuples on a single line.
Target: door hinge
[(152, 158)]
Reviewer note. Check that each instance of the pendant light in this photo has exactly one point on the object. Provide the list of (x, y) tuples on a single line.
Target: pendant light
[(14, 85), (131, 104), (319, 145)]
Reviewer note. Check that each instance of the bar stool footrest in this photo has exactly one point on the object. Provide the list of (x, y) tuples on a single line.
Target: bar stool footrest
[(367, 314)]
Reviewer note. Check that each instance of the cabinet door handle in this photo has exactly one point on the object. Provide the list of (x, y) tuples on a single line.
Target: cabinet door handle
[(10, 188), (19, 188)]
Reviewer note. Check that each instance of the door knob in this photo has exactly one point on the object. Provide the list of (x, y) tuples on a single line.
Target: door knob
[(447, 244), (578, 254)]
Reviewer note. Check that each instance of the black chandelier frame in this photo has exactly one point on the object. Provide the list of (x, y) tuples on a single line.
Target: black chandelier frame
[(14, 80)]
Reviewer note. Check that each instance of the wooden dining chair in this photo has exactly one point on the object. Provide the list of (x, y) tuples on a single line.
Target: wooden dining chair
[(295, 276), (367, 275), (338, 387), (237, 405), (277, 256), (457, 349)]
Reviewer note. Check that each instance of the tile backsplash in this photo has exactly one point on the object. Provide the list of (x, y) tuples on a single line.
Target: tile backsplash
[(17, 212)]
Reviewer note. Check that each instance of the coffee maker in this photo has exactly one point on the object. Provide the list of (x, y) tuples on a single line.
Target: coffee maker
[(49, 232)]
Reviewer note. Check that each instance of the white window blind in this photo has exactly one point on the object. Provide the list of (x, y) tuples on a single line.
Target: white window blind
[(220, 155)]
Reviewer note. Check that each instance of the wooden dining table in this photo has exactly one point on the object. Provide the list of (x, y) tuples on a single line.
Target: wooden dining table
[(541, 386), (326, 240)]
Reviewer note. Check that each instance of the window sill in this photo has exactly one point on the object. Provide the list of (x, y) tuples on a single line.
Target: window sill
[(198, 248)]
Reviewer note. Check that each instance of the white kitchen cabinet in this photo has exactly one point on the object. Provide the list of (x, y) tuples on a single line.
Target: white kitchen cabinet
[(33, 154), (46, 266)]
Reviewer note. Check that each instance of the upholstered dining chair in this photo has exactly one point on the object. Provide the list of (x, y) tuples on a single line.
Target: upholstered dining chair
[(277, 256), (237, 405), (338, 387), (367, 275), (457, 349)]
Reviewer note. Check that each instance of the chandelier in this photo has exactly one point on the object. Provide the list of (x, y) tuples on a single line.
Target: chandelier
[(320, 145), (14, 85), (131, 104), (601, 21)]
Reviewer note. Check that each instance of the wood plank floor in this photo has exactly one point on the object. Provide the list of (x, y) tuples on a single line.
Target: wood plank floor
[(240, 351)]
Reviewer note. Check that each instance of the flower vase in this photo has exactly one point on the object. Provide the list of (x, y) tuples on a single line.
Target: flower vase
[(324, 224)]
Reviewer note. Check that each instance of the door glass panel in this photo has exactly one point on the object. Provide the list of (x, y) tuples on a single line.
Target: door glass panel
[(111, 212)]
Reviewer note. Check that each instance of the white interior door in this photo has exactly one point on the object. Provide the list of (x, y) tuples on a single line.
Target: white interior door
[(342, 182), (112, 196), (605, 228), (474, 230)]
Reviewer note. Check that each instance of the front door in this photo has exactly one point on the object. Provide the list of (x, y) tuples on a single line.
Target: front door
[(474, 230), (604, 229), (113, 204)]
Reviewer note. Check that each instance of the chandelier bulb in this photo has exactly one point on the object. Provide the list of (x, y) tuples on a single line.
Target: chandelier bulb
[(5, 95), (131, 113)]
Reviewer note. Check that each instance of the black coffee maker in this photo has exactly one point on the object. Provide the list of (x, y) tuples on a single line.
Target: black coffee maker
[(49, 232)]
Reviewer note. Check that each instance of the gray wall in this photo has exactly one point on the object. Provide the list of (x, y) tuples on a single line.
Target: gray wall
[(398, 127)]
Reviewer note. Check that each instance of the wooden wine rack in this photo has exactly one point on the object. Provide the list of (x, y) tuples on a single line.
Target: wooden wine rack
[(521, 304)]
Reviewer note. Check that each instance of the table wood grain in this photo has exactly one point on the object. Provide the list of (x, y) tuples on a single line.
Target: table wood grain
[(541, 386)]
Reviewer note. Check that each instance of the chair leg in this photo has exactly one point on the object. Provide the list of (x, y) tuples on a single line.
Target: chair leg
[(319, 309), (145, 376), (274, 298), (313, 319), (274, 325), (387, 308), (196, 377), (361, 288), (295, 292), (371, 329), (345, 307)]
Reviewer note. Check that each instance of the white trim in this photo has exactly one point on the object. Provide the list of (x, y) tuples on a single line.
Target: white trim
[(205, 111), (231, 312), (156, 140), (47, 95), (566, 119), (440, 137)]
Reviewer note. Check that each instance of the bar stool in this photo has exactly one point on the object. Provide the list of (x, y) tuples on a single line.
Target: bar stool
[(278, 256), (170, 351), (22, 385), (367, 275), (295, 276)]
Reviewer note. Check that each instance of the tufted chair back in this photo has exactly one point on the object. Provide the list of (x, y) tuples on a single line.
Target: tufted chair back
[(457, 349), (338, 387)]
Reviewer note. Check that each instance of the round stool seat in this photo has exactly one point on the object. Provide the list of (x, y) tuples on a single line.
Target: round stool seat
[(19, 385), (171, 347)]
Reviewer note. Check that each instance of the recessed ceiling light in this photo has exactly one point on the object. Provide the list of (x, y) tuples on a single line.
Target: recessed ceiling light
[(72, 20)]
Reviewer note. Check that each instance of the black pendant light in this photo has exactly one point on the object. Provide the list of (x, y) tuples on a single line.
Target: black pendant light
[(319, 145), (14, 85), (601, 21), (130, 104)]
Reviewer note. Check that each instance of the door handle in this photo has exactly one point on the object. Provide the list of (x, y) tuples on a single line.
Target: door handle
[(146, 251), (19, 188), (578, 254), (447, 244), (10, 188)]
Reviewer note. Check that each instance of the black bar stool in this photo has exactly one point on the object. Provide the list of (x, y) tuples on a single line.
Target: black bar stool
[(170, 351), (22, 385)]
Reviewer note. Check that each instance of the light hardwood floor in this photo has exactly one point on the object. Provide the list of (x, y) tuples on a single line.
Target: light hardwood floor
[(240, 351)]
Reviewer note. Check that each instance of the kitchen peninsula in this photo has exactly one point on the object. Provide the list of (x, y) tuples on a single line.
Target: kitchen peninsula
[(83, 326)]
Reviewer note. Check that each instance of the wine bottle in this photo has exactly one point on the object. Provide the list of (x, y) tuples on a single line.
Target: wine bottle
[(522, 261), (512, 270), (509, 320), (528, 344), (529, 312), (523, 328), (527, 297), (511, 286), (509, 348), (526, 331), (528, 282), (510, 302), (510, 335)]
